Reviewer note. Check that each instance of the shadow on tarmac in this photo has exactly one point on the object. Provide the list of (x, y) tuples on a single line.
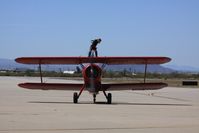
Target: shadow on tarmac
[(118, 103)]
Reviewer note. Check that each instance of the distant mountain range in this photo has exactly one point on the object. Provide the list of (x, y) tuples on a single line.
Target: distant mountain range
[(183, 68), (9, 64)]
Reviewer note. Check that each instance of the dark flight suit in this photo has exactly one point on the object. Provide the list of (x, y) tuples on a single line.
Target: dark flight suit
[(94, 47)]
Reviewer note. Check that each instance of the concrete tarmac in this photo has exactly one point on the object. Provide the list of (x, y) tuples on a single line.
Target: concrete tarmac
[(35, 111)]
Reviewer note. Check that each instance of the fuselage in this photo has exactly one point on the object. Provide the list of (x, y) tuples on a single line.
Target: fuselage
[(92, 78)]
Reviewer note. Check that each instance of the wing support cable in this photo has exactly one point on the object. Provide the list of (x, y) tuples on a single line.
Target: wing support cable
[(103, 66), (40, 73), (82, 66)]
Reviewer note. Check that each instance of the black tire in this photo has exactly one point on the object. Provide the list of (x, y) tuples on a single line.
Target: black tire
[(94, 98), (75, 97), (109, 98)]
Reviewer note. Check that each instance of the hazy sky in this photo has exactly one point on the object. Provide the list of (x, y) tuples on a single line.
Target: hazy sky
[(127, 28)]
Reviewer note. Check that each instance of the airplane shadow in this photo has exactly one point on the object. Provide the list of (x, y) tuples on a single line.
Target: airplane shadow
[(114, 103)]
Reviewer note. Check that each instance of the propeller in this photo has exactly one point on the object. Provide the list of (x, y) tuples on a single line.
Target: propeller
[(92, 84)]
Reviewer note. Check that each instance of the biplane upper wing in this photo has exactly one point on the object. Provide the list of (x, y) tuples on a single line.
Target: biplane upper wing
[(104, 60)]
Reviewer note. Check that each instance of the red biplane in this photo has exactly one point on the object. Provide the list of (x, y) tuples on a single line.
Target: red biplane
[(92, 72)]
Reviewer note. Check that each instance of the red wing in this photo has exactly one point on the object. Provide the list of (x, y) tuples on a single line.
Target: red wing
[(104, 60), (133, 60), (109, 87), (51, 86), (133, 86)]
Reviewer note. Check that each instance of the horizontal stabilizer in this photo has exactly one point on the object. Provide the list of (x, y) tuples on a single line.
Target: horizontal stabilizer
[(104, 60), (51, 86), (133, 86)]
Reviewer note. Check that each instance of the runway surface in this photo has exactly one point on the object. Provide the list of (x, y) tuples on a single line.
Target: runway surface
[(36, 111)]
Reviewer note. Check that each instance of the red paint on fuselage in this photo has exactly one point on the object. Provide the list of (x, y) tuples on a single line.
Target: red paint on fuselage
[(92, 77)]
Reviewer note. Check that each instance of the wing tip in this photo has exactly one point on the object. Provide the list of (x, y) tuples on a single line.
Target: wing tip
[(168, 59), (163, 85), (23, 85), (20, 60), (17, 60)]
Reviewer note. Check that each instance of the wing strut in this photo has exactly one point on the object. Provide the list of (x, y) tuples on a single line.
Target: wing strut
[(145, 70), (40, 72)]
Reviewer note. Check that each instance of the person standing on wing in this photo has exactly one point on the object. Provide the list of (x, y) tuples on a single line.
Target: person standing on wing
[(94, 47)]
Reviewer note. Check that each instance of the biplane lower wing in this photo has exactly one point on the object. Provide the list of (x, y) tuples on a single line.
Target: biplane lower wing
[(133, 86), (104, 60), (104, 87), (51, 86)]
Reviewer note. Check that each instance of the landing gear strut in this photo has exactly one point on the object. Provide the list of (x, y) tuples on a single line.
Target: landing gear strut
[(76, 95), (108, 97)]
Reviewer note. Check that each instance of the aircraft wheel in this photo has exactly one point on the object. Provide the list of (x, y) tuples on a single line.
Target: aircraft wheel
[(109, 98), (75, 97), (94, 98)]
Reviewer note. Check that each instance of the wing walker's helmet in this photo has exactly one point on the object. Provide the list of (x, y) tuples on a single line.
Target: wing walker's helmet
[(99, 40)]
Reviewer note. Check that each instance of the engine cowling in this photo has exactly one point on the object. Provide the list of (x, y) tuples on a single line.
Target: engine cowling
[(92, 77)]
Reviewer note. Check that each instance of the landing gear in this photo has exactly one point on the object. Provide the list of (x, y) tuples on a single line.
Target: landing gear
[(75, 97), (94, 98), (108, 97)]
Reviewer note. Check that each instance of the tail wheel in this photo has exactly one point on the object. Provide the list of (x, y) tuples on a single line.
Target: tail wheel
[(109, 98), (75, 97)]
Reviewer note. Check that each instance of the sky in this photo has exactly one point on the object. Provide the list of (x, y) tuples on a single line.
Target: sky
[(127, 28)]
